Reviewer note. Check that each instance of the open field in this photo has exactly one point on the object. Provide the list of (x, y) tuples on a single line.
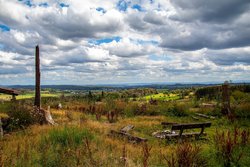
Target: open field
[(82, 134), (162, 96)]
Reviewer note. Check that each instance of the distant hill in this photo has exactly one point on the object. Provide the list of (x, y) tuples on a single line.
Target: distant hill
[(117, 86)]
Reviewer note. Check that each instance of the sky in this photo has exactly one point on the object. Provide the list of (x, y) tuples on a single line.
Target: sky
[(124, 41)]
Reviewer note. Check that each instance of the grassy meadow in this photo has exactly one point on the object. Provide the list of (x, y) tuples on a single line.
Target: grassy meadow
[(81, 136)]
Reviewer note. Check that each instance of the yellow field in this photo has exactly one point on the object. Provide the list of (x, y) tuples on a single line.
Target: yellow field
[(161, 96), (26, 96)]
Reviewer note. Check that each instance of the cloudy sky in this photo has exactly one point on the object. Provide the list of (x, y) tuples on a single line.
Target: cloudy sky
[(125, 41)]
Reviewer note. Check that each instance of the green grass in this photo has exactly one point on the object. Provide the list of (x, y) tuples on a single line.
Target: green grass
[(67, 136), (161, 96)]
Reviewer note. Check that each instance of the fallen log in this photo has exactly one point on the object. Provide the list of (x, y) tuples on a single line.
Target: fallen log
[(195, 118), (129, 137), (204, 116), (127, 128)]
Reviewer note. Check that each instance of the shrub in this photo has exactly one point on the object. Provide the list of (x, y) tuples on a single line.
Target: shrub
[(50, 101), (230, 146), (19, 117), (238, 95), (178, 110), (216, 111), (151, 109), (131, 110), (242, 110)]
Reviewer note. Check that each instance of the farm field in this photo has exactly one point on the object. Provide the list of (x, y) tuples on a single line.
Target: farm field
[(162, 96)]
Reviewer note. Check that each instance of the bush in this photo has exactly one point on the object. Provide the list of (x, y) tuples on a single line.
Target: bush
[(153, 110), (238, 95), (216, 111), (19, 117), (178, 110), (242, 110), (131, 110)]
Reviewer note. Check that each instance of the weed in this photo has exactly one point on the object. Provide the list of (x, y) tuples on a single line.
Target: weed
[(230, 146), (1, 157), (124, 156), (89, 151), (146, 154), (186, 155)]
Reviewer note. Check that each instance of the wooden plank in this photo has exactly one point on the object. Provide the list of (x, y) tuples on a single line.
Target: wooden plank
[(165, 124), (190, 126), (168, 123), (191, 134), (195, 118), (127, 128), (128, 136), (204, 116)]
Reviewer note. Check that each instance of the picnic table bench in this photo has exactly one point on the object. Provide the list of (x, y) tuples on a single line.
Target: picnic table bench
[(12, 92), (184, 126)]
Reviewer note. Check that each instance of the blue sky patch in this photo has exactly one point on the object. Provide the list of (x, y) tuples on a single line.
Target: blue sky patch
[(122, 5), (1, 46), (137, 7), (4, 28), (45, 4), (64, 5), (104, 40), (153, 42), (100, 9), (26, 2)]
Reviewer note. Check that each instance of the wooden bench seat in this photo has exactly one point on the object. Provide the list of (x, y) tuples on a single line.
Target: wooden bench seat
[(184, 135), (182, 127)]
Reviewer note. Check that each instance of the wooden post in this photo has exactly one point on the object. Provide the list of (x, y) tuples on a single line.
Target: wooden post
[(13, 97), (38, 75), (1, 129), (225, 98)]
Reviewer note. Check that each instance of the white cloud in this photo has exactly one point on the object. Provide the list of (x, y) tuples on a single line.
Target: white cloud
[(166, 41), (129, 48)]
